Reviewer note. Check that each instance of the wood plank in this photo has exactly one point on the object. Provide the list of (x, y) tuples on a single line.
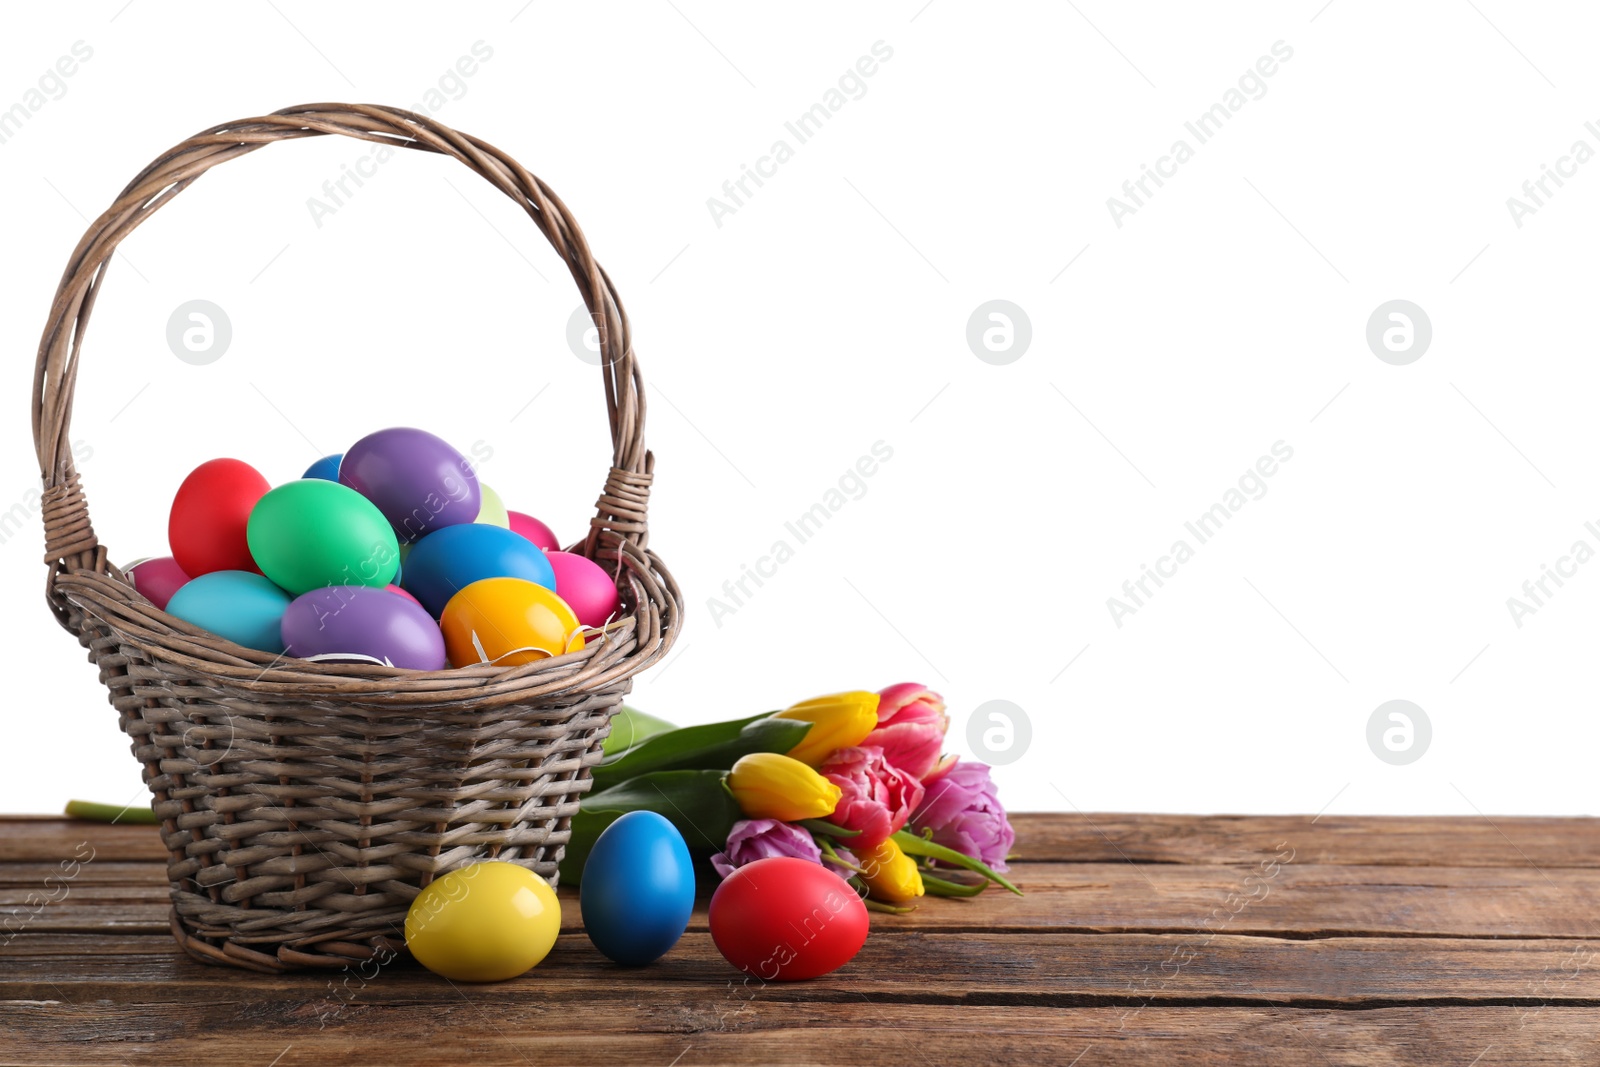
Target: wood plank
[(1297, 900), (736, 1030), (1358, 840), (50, 840), (894, 967), (1455, 841)]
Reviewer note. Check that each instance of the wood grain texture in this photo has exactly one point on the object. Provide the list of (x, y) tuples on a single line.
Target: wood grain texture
[(1215, 941)]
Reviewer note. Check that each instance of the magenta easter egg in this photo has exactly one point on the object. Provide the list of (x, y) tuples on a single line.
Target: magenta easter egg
[(157, 579), (585, 586), (360, 624), (533, 530), (417, 480), (401, 592)]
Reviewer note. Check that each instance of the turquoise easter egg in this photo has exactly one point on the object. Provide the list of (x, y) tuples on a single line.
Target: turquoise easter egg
[(245, 608)]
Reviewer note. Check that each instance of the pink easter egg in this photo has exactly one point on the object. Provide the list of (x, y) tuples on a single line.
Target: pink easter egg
[(157, 579), (585, 586), (535, 531), (402, 592)]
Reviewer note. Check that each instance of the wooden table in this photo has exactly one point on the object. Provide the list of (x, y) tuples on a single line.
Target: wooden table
[(1148, 939)]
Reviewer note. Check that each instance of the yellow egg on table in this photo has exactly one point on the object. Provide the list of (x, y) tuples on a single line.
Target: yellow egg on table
[(484, 923)]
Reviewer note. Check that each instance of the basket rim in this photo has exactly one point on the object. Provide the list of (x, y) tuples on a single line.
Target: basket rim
[(86, 591), (181, 647)]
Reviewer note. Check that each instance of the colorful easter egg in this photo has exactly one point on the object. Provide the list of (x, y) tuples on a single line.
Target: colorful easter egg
[(157, 579), (242, 606), (787, 919), (637, 890), (206, 527), (312, 533), (448, 560), (508, 622), (585, 586), (326, 468), (359, 624), (486, 922), (493, 510), (533, 530), (417, 480)]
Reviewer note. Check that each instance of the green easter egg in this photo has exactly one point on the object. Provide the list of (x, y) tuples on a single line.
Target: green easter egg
[(313, 533), (492, 510)]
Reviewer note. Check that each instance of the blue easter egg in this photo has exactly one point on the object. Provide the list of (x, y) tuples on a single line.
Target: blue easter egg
[(448, 560), (245, 608), (326, 468), (637, 890)]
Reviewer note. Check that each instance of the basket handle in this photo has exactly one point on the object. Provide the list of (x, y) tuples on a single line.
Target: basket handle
[(70, 542)]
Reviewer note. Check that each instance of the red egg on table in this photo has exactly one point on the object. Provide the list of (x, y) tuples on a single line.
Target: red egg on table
[(210, 512), (585, 586), (533, 530), (157, 579), (786, 919), (401, 592)]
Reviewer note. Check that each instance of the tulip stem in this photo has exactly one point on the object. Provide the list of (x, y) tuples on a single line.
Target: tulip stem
[(913, 845), (128, 813), (892, 909), (939, 887), (819, 826), (834, 858)]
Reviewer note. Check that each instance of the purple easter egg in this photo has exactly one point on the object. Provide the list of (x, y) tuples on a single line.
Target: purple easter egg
[(417, 480), (361, 624)]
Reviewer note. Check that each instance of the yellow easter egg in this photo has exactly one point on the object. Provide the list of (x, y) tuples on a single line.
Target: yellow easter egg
[(483, 923)]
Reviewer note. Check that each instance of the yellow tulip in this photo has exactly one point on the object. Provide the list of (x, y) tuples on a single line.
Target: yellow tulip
[(838, 721), (771, 786), (890, 874)]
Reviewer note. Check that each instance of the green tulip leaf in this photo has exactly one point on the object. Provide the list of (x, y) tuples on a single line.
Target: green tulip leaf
[(629, 726), (694, 801), (714, 746)]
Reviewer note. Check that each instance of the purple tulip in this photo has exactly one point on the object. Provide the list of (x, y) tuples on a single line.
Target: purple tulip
[(965, 814), (758, 839)]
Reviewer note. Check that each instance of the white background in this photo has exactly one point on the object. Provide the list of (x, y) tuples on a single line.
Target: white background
[(829, 312)]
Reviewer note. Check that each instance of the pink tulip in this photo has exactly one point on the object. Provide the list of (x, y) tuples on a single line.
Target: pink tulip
[(877, 796), (964, 812), (911, 728)]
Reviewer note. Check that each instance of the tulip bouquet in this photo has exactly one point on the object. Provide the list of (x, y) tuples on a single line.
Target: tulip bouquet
[(857, 782)]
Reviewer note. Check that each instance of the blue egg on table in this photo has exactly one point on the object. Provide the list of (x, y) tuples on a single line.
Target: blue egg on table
[(637, 890), (326, 468), (245, 608), (448, 560)]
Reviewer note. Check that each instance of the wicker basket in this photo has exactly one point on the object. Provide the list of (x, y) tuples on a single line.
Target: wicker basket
[(304, 806)]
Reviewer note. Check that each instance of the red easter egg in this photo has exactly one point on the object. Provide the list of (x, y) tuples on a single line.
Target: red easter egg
[(784, 919), (207, 526)]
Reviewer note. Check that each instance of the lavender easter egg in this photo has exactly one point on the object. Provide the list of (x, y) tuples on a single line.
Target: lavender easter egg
[(360, 624), (417, 480)]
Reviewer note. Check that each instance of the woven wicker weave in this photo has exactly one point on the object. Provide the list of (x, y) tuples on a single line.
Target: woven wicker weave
[(303, 805)]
